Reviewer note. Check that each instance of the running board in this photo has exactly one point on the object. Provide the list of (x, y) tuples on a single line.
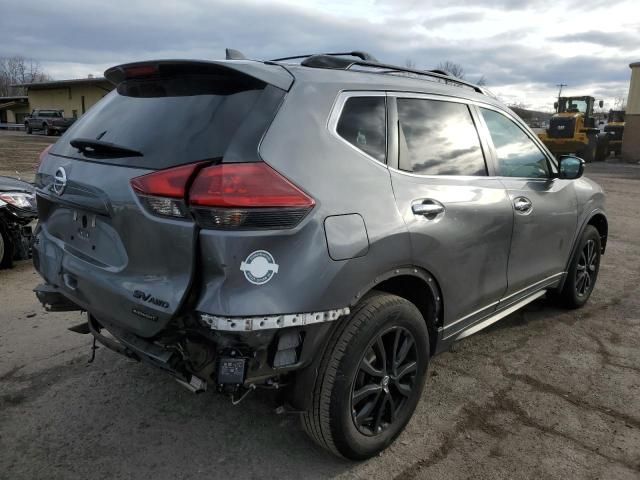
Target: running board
[(499, 316)]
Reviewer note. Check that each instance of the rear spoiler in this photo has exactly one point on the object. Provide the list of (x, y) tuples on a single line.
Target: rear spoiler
[(271, 73)]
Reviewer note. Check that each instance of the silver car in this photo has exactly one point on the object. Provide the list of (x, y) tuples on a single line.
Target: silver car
[(322, 225)]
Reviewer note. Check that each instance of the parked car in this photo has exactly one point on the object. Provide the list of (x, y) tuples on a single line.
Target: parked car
[(323, 225), (17, 211), (49, 122)]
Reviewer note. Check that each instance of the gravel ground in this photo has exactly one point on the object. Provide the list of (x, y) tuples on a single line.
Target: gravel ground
[(545, 393)]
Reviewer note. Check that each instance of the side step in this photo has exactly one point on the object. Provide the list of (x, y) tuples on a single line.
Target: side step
[(499, 316)]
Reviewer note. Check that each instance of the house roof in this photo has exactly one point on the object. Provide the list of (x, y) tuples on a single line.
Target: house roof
[(63, 83)]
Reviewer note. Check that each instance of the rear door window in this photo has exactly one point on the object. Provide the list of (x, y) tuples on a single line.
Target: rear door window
[(363, 124), (438, 138), (179, 119)]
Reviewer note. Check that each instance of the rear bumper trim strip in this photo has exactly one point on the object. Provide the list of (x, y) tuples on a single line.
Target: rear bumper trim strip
[(268, 322)]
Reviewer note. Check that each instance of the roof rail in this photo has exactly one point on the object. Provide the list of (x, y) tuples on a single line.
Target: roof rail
[(340, 63), (356, 53)]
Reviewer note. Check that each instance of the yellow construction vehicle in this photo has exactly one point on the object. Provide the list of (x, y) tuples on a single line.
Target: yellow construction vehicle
[(573, 130), (615, 129)]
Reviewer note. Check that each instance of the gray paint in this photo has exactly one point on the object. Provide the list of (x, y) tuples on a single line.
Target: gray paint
[(468, 249), (346, 236)]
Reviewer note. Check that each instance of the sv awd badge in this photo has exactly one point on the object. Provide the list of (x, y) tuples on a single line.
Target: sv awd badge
[(259, 267)]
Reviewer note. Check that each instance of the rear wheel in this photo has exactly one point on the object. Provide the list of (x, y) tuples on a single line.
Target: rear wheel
[(6, 247), (370, 379), (583, 270)]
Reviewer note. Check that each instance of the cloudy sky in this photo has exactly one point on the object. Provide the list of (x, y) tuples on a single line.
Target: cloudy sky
[(523, 48)]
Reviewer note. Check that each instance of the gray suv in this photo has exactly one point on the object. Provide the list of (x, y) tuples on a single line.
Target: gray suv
[(321, 225)]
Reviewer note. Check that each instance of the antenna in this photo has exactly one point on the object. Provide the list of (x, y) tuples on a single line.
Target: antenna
[(232, 54)]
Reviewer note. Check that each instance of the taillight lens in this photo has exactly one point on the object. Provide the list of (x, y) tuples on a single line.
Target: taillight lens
[(163, 192), (43, 154), (226, 196), (249, 196), (252, 185)]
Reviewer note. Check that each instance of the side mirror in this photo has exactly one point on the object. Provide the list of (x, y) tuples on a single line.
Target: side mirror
[(571, 167), (601, 103)]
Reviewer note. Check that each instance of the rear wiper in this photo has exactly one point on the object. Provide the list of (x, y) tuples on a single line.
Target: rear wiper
[(98, 147)]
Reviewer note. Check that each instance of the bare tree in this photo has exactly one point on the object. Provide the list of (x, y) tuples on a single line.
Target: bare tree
[(452, 68), (620, 103), (482, 81), (16, 70), (410, 64)]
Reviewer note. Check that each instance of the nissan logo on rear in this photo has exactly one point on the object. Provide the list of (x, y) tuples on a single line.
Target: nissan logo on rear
[(59, 181)]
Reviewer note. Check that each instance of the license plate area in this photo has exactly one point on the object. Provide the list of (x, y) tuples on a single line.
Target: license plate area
[(87, 235)]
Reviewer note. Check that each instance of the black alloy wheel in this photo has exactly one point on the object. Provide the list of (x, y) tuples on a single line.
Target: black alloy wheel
[(385, 379)]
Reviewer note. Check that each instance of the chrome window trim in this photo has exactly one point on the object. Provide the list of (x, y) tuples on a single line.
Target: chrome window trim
[(336, 113)]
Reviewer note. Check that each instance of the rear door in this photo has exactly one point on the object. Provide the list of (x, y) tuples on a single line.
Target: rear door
[(544, 207), (130, 259), (459, 218)]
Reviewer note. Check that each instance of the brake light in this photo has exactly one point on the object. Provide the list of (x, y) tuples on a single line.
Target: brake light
[(43, 154), (246, 185), (140, 71), (226, 196), (163, 192)]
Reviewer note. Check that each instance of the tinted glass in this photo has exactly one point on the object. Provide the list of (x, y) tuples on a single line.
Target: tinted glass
[(178, 120), (517, 155), (363, 124), (438, 138)]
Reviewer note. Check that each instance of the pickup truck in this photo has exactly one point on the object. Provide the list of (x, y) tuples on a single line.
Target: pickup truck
[(49, 121)]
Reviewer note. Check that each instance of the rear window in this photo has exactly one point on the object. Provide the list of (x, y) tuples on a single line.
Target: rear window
[(178, 120)]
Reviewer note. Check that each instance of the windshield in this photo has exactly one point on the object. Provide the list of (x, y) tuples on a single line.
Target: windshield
[(49, 114), (573, 105)]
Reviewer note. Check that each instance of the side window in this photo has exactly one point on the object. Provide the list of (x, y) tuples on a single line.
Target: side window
[(517, 155), (438, 138), (363, 124)]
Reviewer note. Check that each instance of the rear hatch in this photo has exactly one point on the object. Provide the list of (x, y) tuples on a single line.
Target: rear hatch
[(127, 257)]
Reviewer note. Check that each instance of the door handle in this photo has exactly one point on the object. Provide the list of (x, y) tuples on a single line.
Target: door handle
[(427, 208), (522, 205)]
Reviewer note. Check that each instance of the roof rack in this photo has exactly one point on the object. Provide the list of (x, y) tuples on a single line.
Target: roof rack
[(356, 53), (338, 62)]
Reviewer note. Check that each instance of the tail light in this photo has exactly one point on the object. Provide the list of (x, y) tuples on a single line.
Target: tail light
[(163, 192), (226, 196), (43, 154)]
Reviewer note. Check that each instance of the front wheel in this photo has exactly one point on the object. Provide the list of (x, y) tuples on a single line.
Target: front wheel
[(6, 247), (583, 270), (45, 129), (370, 379), (28, 129)]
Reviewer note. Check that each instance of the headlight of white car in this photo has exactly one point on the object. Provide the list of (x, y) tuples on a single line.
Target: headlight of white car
[(17, 199)]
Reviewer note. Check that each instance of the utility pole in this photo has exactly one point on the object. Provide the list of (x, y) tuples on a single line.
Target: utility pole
[(560, 93)]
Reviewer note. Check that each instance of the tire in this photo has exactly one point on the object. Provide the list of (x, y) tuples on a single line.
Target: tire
[(588, 154), (586, 261), (28, 129), (45, 129), (602, 149), (6, 247), (353, 363)]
